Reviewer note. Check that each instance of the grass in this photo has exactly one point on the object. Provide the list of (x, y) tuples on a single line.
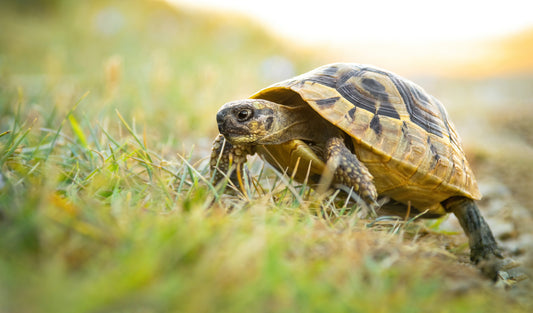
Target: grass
[(106, 203), (118, 229)]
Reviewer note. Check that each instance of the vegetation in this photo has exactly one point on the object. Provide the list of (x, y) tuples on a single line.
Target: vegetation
[(106, 203)]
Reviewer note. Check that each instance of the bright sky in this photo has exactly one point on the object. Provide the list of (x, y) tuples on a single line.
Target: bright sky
[(352, 21), (418, 36)]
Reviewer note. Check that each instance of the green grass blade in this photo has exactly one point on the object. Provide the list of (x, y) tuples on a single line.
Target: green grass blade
[(78, 132), (72, 109)]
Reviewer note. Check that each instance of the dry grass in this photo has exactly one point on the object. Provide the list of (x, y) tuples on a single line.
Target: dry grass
[(99, 214)]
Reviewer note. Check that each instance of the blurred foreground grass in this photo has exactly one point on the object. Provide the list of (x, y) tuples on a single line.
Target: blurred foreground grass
[(99, 214)]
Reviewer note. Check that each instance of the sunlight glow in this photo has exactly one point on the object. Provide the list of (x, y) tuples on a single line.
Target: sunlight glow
[(340, 21), (455, 37)]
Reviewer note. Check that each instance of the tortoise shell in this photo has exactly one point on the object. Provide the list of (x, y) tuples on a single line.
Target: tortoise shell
[(401, 133)]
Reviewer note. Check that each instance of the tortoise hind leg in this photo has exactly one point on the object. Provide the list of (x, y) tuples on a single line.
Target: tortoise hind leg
[(484, 250)]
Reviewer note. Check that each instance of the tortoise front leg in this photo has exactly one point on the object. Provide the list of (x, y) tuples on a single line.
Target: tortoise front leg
[(349, 171), (223, 156)]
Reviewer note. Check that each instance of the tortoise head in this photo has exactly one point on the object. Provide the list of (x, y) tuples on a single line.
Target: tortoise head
[(258, 121), (249, 121)]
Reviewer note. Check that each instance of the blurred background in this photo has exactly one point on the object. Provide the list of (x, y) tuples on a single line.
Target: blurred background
[(168, 66)]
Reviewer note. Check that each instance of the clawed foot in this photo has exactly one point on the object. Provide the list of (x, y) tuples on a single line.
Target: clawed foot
[(502, 270), (509, 274)]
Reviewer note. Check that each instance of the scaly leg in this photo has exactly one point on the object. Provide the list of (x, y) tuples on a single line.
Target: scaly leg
[(349, 171), (223, 156), (484, 250)]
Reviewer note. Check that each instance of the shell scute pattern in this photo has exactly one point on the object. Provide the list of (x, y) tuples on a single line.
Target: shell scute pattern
[(401, 133)]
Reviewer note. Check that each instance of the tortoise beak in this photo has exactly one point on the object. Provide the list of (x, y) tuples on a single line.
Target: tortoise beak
[(221, 121), (228, 125)]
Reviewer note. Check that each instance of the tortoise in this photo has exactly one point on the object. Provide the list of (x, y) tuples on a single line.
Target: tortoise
[(373, 131)]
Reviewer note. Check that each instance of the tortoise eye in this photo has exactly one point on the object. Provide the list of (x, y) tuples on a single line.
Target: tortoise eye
[(244, 115)]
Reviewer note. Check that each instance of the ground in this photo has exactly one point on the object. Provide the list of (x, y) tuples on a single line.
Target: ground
[(106, 204)]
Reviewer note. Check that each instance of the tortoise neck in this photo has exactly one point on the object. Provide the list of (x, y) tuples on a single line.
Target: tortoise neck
[(302, 122)]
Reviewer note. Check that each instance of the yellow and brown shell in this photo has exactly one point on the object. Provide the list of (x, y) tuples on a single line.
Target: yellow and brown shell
[(401, 133)]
